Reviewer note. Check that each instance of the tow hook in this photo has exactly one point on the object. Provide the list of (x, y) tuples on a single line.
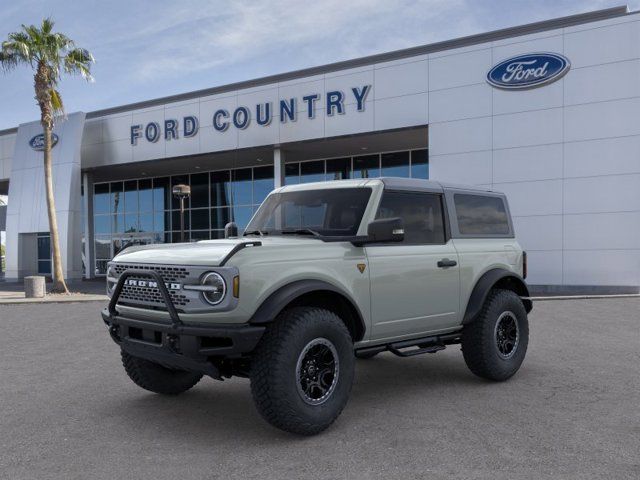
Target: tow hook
[(114, 331), (173, 343)]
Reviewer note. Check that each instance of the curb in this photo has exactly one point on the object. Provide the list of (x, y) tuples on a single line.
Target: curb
[(69, 299)]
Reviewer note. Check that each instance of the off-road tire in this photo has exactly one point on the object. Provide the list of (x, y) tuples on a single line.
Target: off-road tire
[(274, 375), (479, 338), (156, 378)]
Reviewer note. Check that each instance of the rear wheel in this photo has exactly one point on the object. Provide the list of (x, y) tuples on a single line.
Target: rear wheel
[(302, 370), (494, 344), (156, 378)]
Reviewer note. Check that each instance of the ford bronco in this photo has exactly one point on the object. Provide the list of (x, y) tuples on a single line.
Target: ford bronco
[(323, 274)]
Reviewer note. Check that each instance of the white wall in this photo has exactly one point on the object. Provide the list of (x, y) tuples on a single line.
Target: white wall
[(7, 144), (566, 154)]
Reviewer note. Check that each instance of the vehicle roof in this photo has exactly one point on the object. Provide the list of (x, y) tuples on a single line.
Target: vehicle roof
[(388, 182)]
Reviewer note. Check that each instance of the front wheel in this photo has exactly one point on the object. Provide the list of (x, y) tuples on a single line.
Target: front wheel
[(495, 343), (302, 370)]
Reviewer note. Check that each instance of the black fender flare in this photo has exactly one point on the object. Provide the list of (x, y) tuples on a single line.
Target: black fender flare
[(286, 294), (510, 280)]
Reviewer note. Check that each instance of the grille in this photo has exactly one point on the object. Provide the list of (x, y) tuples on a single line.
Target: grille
[(170, 274), (148, 296)]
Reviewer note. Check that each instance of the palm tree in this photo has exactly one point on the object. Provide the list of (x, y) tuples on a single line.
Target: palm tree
[(49, 54)]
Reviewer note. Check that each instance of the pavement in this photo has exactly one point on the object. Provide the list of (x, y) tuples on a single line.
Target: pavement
[(68, 411)]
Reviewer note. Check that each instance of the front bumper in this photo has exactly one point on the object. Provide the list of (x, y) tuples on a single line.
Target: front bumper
[(187, 347), (175, 344)]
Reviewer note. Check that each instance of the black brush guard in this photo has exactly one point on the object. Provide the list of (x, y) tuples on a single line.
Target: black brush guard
[(175, 344)]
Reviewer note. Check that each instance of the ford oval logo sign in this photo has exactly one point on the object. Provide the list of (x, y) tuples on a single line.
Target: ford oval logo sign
[(528, 71), (37, 142)]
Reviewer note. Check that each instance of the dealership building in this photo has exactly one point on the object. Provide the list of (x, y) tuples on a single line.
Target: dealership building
[(548, 113)]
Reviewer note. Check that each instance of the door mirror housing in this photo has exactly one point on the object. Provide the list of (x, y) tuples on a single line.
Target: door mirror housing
[(385, 230)]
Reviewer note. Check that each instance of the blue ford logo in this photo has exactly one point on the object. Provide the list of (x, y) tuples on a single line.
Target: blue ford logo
[(37, 142), (528, 71)]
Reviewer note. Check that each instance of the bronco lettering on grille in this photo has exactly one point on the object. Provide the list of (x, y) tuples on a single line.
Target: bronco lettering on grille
[(132, 282)]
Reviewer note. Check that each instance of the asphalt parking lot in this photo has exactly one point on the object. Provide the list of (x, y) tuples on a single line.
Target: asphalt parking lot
[(68, 411)]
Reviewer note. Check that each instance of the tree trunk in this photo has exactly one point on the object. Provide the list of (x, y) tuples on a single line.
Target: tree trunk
[(59, 285)]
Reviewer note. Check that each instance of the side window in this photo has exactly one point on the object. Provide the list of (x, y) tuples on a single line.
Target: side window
[(481, 215), (421, 214)]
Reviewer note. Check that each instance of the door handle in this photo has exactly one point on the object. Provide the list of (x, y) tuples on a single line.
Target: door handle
[(445, 262)]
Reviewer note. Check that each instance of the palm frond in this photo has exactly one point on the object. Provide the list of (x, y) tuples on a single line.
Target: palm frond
[(56, 102), (78, 61)]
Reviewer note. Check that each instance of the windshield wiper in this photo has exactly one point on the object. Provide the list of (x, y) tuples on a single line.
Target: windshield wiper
[(300, 231), (256, 232)]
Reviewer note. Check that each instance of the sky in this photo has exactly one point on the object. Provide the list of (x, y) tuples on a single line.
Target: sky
[(153, 48)]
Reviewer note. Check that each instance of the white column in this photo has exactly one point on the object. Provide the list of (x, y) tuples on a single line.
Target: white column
[(278, 168), (87, 206)]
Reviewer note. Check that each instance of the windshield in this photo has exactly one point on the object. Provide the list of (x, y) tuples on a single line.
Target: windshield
[(325, 212)]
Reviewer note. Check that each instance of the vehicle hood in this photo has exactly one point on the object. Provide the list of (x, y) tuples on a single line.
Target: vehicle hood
[(206, 252)]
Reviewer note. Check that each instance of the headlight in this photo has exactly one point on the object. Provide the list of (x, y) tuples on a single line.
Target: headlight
[(215, 288), (112, 278)]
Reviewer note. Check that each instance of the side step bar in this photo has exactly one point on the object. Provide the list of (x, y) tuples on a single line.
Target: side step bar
[(406, 348)]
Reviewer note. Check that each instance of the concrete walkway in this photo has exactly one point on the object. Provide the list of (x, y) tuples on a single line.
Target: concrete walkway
[(81, 291)]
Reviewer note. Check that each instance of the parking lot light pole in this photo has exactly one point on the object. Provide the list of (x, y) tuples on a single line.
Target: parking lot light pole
[(181, 192)]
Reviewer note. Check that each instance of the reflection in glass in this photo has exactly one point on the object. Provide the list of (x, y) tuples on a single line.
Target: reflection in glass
[(420, 164), (145, 195), (241, 186), (161, 221), (339, 168), (131, 196), (220, 217), (262, 183), (131, 222), (292, 174), (161, 194), (117, 223), (200, 219), (101, 224), (312, 171), (116, 197), (175, 219), (200, 190), (145, 222), (103, 250), (395, 164), (242, 215), (101, 198), (367, 166), (220, 188)]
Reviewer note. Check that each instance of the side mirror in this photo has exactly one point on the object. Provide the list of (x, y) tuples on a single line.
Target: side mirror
[(230, 230), (385, 230)]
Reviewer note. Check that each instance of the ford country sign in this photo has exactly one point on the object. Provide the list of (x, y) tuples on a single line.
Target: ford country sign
[(528, 71), (37, 142)]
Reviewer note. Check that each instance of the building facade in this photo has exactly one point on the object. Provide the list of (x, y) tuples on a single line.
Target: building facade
[(548, 113)]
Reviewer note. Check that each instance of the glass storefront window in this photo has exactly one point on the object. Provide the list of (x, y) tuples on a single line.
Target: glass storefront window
[(292, 174), (131, 196), (367, 166), (161, 194), (200, 219), (101, 198), (144, 211), (395, 164), (117, 190), (339, 168), (420, 164), (262, 183), (220, 188), (241, 186), (200, 190), (145, 195), (312, 171)]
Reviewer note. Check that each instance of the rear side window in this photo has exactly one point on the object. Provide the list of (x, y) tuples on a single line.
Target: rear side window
[(481, 215), (421, 214)]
